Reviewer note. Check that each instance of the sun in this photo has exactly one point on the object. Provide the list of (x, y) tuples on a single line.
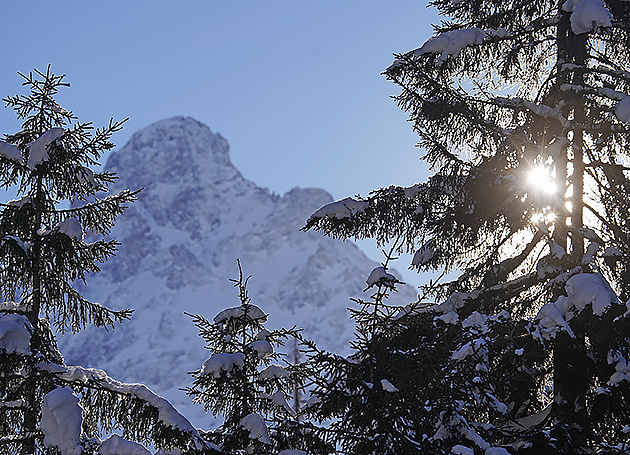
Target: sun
[(541, 180)]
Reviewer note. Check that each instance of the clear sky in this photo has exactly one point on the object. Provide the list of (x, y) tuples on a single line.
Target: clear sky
[(294, 86)]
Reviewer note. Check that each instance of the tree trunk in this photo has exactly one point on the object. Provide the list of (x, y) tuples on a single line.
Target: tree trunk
[(572, 372), (31, 411)]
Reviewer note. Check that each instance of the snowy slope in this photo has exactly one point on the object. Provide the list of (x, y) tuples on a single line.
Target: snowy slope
[(180, 242)]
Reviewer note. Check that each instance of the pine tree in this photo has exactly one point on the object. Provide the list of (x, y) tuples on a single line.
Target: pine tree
[(523, 110), (47, 406), (240, 383)]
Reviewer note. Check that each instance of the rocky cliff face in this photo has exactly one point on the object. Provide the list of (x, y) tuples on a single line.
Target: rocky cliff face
[(180, 242)]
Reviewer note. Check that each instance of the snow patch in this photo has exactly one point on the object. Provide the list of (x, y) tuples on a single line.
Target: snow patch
[(412, 191), (582, 289), (456, 301), (280, 399), (18, 241), (611, 251), (585, 288), (18, 203), (477, 320), (457, 422), (496, 451), (591, 251), (557, 251), (263, 334), (496, 404), (424, 254), (475, 346), (449, 318), (86, 177), (622, 369), (60, 110), (551, 319)]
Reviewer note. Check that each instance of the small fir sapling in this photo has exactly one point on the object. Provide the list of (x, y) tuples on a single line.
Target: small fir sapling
[(248, 382)]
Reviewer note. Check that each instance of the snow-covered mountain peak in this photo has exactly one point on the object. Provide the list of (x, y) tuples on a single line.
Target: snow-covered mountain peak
[(179, 245), (177, 150)]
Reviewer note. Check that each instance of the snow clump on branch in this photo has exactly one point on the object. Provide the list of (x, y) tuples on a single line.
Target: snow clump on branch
[(262, 347), (424, 254), (450, 44), (115, 445), (61, 421), (15, 334), (586, 15), (622, 369), (222, 361), (388, 386), (582, 289), (38, 149), (72, 228), (622, 110), (10, 152), (167, 414), (345, 208), (380, 277), (253, 312), (273, 372), (255, 425)]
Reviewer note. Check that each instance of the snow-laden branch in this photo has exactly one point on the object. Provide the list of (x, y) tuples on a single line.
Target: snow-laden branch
[(451, 43), (541, 110), (167, 412), (13, 307)]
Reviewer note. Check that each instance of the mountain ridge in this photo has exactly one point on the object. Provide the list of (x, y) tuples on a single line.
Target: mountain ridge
[(179, 245)]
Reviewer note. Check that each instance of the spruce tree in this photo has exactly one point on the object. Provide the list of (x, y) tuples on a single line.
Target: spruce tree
[(523, 111), (47, 406), (243, 383), (370, 398)]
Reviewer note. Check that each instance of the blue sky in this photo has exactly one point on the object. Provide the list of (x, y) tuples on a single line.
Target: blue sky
[(294, 86)]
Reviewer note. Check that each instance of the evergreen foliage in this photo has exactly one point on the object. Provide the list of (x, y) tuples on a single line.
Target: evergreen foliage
[(371, 397), (526, 351), (243, 382), (43, 253)]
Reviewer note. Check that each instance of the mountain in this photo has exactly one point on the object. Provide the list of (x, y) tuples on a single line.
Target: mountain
[(179, 248)]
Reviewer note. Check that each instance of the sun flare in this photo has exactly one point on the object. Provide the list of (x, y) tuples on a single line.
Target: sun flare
[(541, 179)]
